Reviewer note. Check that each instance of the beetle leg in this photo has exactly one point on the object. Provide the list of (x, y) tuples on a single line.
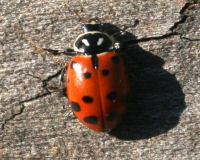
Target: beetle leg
[(68, 51), (61, 77), (61, 81)]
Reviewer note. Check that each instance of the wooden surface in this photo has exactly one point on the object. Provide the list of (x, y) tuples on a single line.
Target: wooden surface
[(162, 59)]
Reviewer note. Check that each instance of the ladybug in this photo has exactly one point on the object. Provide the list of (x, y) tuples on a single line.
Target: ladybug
[(96, 85)]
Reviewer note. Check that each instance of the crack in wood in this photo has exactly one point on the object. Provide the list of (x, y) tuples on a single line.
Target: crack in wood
[(22, 108), (134, 41), (12, 116), (44, 81), (183, 16), (171, 30), (189, 39)]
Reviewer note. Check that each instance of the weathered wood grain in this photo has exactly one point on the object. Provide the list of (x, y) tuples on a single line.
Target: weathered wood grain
[(162, 61)]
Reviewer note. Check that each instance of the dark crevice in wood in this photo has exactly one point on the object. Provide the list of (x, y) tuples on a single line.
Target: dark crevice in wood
[(183, 16), (189, 39), (22, 108), (129, 42), (171, 30), (12, 116), (31, 99)]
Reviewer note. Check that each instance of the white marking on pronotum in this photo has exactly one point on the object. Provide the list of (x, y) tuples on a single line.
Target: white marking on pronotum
[(100, 41), (85, 41)]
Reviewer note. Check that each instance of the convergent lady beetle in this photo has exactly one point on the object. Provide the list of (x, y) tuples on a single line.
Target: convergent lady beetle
[(97, 85)]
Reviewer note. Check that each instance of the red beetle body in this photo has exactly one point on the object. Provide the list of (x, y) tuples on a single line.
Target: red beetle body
[(97, 85)]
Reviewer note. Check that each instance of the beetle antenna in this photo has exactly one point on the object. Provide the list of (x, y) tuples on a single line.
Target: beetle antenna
[(84, 20)]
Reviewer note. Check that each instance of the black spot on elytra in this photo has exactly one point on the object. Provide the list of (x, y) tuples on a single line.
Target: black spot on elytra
[(87, 75), (73, 63), (111, 95), (75, 106), (87, 99), (105, 72), (113, 116), (91, 119), (115, 59)]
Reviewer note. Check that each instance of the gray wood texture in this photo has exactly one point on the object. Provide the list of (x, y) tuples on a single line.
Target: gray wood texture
[(162, 59)]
